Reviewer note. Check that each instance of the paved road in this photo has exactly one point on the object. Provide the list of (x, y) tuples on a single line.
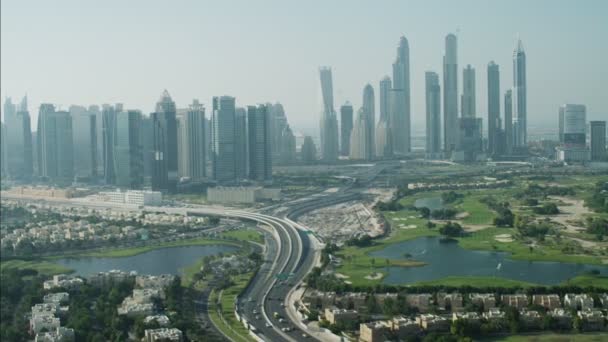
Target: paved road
[(289, 253)]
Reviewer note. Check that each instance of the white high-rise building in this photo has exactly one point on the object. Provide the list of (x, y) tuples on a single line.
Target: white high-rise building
[(329, 121), (385, 87), (468, 92), (359, 139), (399, 122), (450, 93), (520, 115), (573, 119), (191, 141)]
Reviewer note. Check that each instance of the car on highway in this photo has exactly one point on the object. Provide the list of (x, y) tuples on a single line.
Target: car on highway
[(268, 325)]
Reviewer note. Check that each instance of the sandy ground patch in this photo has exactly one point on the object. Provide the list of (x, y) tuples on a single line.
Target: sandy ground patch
[(574, 209), (341, 276), (503, 238), (345, 220), (584, 243), (374, 276), (462, 215), (470, 228)]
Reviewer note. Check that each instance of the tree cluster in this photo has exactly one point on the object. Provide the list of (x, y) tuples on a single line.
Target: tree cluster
[(598, 201), (444, 213), (451, 229)]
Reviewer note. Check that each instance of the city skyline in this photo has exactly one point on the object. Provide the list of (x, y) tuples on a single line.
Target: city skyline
[(121, 81)]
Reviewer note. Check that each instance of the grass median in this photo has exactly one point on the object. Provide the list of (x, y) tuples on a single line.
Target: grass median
[(221, 309)]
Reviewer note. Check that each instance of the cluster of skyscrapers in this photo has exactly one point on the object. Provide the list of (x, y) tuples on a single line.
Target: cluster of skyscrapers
[(360, 136), (174, 146), (463, 134), (573, 135), (461, 138), (125, 148)]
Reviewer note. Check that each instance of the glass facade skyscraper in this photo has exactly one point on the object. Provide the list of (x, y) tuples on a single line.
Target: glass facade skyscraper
[(223, 139)]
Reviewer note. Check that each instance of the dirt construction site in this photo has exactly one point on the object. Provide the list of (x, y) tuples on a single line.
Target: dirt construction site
[(340, 222)]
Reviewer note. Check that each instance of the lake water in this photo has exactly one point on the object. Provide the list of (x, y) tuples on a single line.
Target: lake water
[(449, 259), (155, 262), (432, 203)]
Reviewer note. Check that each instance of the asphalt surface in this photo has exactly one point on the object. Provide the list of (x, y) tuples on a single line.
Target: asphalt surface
[(289, 256)]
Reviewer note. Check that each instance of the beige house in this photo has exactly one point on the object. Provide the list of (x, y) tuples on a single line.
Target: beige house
[(372, 332), (549, 301), (453, 301), (336, 316), (518, 301), (486, 300), (404, 327), (420, 301), (433, 323)]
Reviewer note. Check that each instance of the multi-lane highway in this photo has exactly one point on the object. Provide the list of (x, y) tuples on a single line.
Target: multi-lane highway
[(290, 254)]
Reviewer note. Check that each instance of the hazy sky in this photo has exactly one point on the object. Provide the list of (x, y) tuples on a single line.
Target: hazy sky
[(92, 52)]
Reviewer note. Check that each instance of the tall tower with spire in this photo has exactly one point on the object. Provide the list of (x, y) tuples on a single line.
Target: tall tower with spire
[(399, 123), (520, 111), (495, 135), (450, 93), (329, 120)]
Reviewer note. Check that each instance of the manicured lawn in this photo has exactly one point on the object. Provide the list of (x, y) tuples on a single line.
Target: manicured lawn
[(42, 267), (225, 318), (356, 261), (189, 271), (407, 225), (126, 252), (551, 337), (245, 235), (479, 213), (485, 240), (476, 282), (589, 280)]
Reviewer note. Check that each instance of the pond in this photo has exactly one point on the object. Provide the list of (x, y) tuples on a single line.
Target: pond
[(159, 261), (433, 203), (449, 259)]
